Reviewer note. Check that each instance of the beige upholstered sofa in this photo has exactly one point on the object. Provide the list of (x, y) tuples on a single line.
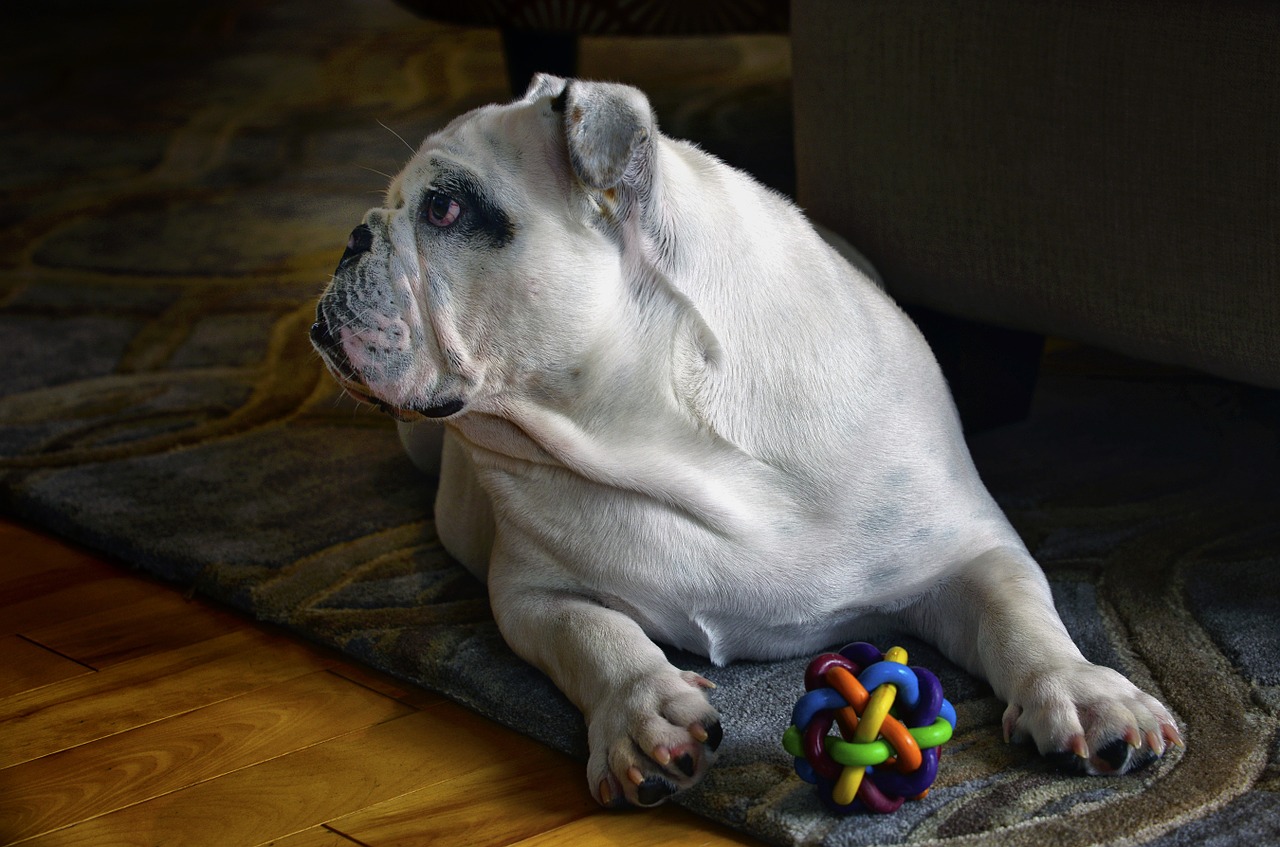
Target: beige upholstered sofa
[(1107, 172)]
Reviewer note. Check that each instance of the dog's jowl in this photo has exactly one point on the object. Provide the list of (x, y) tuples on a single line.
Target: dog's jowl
[(666, 410)]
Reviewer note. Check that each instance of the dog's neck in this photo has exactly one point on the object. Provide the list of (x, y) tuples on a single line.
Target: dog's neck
[(627, 414)]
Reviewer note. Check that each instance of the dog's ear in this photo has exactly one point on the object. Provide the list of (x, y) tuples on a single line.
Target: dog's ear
[(544, 85), (609, 129), (612, 137)]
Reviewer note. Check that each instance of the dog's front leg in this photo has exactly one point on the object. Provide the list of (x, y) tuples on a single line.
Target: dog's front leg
[(650, 728), (995, 617)]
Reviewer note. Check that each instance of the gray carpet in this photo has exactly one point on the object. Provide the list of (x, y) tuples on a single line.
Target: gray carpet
[(178, 182)]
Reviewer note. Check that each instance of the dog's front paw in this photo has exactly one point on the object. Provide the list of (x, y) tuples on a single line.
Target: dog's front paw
[(651, 739), (1090, 719)]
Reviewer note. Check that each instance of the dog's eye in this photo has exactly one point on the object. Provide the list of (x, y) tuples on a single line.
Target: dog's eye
[(442, 210)]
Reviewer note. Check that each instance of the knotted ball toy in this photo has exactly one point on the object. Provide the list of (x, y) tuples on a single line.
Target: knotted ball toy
[(893, 720)]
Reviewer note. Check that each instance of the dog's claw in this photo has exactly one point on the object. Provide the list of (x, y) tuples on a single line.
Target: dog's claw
[(1010, 722), (1074, 760), (1132, 737), (1120, 755)]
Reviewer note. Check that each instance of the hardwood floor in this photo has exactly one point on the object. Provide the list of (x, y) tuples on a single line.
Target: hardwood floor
[(130, 715)]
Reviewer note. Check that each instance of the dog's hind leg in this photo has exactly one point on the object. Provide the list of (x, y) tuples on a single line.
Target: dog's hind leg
[(995, 617)]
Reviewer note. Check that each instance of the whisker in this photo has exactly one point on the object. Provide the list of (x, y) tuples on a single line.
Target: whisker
[(376, 171), (350, 319), (412, 149)]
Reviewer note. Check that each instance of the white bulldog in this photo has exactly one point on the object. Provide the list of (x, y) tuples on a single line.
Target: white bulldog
[(672, 413)]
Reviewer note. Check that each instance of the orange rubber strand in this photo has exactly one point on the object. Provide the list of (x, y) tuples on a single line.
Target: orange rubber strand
[(848, 687), (895, 732)]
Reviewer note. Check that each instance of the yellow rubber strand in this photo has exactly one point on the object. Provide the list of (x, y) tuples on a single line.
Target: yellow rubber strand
[(850, 780), (846, 787), (880, 703)]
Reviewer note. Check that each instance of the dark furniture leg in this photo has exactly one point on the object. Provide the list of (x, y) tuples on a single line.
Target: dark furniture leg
[(991, 370), (529, 52)]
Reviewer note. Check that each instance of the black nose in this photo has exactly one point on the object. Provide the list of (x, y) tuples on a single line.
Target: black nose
[(320, 335), (360, 242)]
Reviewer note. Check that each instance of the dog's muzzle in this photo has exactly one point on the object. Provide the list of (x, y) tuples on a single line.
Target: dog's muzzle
[(341, 367), (331, 348), (322, 339), (359, 243)]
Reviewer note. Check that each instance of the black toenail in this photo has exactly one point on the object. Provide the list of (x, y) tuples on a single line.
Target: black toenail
[(654, 790), (715, 734), (1116, 754), (686, 765), (1066, 761)]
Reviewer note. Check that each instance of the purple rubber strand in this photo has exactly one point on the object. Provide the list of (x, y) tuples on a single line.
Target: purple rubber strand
[(815, 752), (897, 784), (875, 800), (929, 704), (815, 676), (862, 654)]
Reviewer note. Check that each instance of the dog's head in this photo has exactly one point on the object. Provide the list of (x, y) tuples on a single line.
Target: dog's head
[(491, 263)]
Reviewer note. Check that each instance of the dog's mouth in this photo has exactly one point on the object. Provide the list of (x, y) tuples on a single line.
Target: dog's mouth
[(407, 414), (336, 361)]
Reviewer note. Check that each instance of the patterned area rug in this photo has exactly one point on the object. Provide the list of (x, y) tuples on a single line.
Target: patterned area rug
[(178, 182)]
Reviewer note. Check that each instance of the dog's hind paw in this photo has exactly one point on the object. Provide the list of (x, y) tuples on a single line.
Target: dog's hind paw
[(651, 740), (1089, 719)]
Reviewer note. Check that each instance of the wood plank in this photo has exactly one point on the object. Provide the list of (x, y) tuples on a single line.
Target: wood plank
[(419, 698), (145, 690), (22, 578), (34, 563), (73, 599), (162, 621), (387, 685), (131, 767), (668, 826), (27, 666), (301, 790), (43, 578), (497, 804)]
